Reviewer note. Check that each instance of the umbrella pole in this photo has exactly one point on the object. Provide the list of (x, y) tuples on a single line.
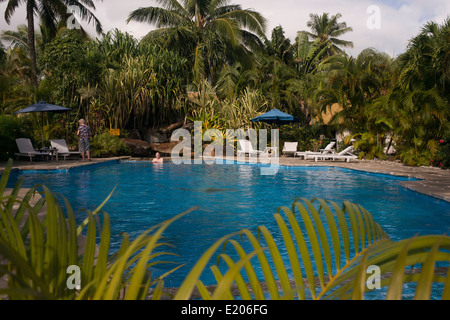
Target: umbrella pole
[(42, 117)]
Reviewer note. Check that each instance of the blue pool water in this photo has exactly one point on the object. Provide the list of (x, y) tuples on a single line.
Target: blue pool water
[(231, 197)]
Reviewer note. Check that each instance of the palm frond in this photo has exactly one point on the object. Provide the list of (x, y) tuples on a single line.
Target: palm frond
[(160, 17), (247, 19), (330, 251)]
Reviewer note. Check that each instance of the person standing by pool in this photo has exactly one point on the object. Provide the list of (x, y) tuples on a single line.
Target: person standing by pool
[(84, 136), (158, 158)]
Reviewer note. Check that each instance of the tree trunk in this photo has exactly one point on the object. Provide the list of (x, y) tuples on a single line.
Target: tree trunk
[(31, 42)]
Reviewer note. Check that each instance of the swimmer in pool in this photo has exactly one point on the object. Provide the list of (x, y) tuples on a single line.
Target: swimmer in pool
[(158, 158)]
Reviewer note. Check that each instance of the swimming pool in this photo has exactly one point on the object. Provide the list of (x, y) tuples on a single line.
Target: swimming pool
[(231, 197)]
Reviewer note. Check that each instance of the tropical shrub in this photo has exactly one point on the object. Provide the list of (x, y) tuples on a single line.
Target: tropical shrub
[(307, 136), (419, 155), (12, 128), (369, 146), (147, 90), (108, 145), (237, 113), (442, 156), (66, 64), (230, 113)]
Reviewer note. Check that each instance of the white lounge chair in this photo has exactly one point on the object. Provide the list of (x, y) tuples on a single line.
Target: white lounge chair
[(345, 154), (247, 148), (327, 150), (62, 148), (26, 149), (290, 148)]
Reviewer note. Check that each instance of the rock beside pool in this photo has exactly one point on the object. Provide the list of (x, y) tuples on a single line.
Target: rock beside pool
[(139, 148), (145, 144), (165, 149), (144, 149)]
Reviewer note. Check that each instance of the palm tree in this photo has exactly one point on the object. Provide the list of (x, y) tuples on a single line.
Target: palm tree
[(280, 46), (50, 12), (2, 54), (355, 84), (210, 33), (18, 38), (326, 28), (423, 85), (308, 55), (426, 63)]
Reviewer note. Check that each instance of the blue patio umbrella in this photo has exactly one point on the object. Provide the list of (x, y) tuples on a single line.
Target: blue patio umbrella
[(276, 116), (42, 107)]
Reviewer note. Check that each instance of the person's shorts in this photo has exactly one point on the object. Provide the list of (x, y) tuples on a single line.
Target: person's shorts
[(83, 145)]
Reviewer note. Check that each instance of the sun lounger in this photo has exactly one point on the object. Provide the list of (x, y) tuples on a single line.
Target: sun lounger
[(345, 154), (290, 148), (63, 150), (247, 148), (327, 150), (26, 149)]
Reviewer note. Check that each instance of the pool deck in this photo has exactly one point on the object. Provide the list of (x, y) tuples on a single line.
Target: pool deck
[(432, 181)]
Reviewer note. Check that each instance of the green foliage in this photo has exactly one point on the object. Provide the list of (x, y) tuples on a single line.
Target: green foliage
[(309, 54), (369, 146), (420, 97), (442, 155), (65, 61), (50, 13), (237, 113), (15, 85), (114, 46), (280, 46), (12, 128), (411, 156), (120, 82), (209, 34), (307, 136), (225, 113), (2, 54), (108, 145), (354, 84), (142, 85), (326, 28)]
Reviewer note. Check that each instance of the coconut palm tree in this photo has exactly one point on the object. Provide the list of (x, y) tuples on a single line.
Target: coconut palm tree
[(50, 12), (326, 28), (210, 33)]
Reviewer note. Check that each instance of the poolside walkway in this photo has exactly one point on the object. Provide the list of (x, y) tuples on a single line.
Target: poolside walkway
[(433, 181)]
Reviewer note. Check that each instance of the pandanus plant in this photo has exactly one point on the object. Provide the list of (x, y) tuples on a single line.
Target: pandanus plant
[(333, 252)]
